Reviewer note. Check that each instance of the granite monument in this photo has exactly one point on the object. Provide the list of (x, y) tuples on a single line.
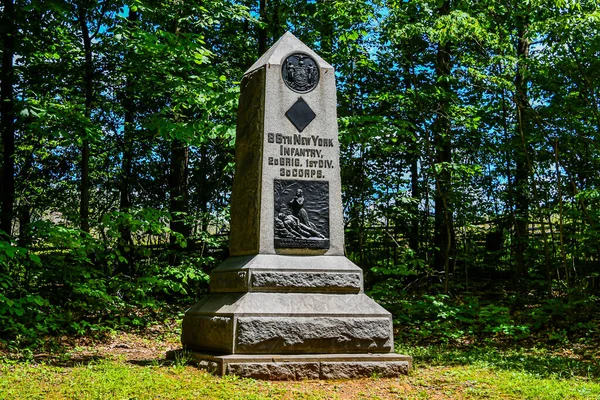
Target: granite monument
[(288, 304)]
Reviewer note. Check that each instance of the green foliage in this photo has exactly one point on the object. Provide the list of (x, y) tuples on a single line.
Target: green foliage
[(423, 318), (512, 173), (79, 288)]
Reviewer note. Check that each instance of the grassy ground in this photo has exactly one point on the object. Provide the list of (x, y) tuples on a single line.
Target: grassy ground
[(133, 367)]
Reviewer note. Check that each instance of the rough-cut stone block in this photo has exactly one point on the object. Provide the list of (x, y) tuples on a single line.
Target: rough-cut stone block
[(288, 371), (278, 273), (284, 335), (349, 370), (306, 281), (208, 332), (288, 323), (301, 366)]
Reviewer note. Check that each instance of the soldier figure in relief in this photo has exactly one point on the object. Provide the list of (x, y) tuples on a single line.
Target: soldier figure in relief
[(287, 225), (297, 205)]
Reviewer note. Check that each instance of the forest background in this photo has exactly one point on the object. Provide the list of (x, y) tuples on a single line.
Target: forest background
[(470, 151)]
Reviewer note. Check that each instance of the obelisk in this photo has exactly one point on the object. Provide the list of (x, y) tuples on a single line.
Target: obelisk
[(288, 304)]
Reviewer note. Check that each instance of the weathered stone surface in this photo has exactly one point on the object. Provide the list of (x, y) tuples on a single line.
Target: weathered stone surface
[(289, 322), (288, 304), (266, 135), (321, 134), (246, 194), (301, 366), (271, 273), (288, 371), (208, 332), (285, 335), (348, 370), (224, 304), (306, 281), (210, 366), (284, 46), (235, 281)]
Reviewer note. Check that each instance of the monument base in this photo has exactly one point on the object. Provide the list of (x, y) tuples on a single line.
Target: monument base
[(299, 366), (274, 304)]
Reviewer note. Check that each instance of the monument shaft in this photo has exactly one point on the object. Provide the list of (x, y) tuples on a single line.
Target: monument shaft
[(286, 139)]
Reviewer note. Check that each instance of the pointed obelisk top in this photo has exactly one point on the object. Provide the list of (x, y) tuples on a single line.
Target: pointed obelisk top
[(287, 44)]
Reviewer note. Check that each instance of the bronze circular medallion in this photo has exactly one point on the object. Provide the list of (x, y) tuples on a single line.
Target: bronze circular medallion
[(300, 73)]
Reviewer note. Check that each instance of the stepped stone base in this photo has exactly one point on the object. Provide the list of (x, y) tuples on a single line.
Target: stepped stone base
[(273, 304), (291, 317), (300, 366)]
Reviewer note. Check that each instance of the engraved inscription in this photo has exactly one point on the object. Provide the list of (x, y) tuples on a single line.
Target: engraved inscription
[(301, 214), (300, 73), (301, 156)]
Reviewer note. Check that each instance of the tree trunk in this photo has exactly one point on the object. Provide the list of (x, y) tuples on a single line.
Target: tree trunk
[(276, 23), (326, 49), (24, 207), (413, 151), (89, 97), (128, 139), (126, 240), (521, 186), (8, 118), (262, 32), (178, 188), (443, 154), (563, 256), (415, 194)]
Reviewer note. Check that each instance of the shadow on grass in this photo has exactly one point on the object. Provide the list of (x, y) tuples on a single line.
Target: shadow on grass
[(156, 362), (540, 362), (66, 360), (63, 361)]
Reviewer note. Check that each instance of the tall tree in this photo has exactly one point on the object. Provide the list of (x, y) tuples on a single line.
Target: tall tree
[(521, 139), (262, 32), (83, 13), (178, 193), (442, 140), (7, 122), (129, 128)]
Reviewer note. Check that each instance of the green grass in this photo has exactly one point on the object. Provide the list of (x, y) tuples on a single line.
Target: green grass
[(540, 362), (478, 382), (525, 373), (439, 373), (117, 379)]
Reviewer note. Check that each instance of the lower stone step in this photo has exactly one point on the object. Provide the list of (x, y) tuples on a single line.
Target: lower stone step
[(300, 366), (287, 323)]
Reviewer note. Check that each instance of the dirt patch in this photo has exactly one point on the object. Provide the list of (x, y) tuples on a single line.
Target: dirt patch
[(147, 347)]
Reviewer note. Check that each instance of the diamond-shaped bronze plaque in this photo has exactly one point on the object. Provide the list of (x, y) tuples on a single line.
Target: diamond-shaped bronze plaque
[(300, 114)]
